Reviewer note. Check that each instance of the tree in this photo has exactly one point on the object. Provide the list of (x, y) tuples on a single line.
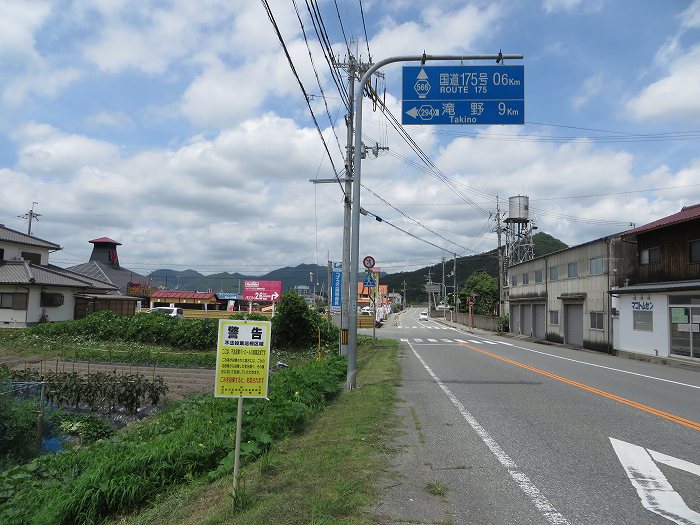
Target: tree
[(298, 327), (485, 287)]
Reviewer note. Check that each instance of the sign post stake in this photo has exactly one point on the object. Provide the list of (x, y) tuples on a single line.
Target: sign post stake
[(237, 458)]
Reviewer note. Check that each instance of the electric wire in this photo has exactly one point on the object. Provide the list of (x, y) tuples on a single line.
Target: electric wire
[(387, 203), (379, 219), (364, 27), (270, 15), (318, 80), (342, 29), (322, 35)]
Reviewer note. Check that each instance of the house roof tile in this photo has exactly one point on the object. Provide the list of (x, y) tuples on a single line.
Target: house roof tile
[(687, 213), (9, 235)]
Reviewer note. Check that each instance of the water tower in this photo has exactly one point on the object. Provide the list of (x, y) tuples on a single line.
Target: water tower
[(519, 227)]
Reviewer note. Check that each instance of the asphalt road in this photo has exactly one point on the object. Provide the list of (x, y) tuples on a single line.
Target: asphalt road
[(503, 431)]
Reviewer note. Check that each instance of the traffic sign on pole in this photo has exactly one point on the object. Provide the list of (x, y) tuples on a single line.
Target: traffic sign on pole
[(463, 95)]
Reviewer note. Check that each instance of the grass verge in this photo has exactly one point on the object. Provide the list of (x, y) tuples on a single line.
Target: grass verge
[(325, 475)]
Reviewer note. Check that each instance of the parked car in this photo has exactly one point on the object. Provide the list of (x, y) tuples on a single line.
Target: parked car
[(168, 310), (367, 310), (423, 316)]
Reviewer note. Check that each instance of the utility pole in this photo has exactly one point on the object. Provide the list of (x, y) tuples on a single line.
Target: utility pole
[(444, 288), (30, 215), (500, 259), (456, 295), (404, 302)]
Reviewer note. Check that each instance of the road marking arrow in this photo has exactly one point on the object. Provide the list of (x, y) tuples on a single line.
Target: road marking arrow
[(413, 112), (653, 488)]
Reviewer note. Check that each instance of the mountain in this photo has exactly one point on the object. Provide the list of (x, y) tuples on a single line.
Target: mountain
[(310, 274)]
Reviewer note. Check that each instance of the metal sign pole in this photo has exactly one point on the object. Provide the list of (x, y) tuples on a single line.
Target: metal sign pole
[(237, 458), (350, 382)]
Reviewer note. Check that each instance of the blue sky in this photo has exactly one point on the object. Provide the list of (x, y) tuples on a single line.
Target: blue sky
[(177, 128)]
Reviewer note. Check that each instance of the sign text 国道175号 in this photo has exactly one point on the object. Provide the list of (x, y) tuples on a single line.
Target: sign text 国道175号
[(242, 358)]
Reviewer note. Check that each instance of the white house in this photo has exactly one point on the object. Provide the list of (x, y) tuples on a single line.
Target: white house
[(31, 289)]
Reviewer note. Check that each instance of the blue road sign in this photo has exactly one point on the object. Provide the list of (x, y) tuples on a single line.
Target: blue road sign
[(336, 290), (463, 95), (369, 281)]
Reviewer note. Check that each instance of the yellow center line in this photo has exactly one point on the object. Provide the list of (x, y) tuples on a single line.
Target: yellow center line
[(687, 422)]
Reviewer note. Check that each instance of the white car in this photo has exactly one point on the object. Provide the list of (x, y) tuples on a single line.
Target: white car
[(168, 310), (423, 316)]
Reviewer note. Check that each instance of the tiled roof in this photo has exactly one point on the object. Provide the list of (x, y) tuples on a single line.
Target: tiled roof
[(105, 239), (25, 273), (119, 277), (687, 213), (9, 235)]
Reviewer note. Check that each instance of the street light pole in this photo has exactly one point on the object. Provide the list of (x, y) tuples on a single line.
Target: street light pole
[(350, 382)]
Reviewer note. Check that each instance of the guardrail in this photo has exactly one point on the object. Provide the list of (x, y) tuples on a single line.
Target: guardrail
[(214, 314)]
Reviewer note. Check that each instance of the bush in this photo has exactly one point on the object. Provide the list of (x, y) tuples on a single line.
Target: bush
[(17, 424), (194, 439)]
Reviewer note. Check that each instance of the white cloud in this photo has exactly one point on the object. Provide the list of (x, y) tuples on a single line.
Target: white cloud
[(109, 119), (690, 18), (591, 88), (587, 6), (437, 31), (41, 80), (19, 19), (45, 150), (675, 96)]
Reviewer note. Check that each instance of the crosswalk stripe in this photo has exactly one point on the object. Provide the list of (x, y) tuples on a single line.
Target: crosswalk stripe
[(432, 340), (490, 342), (475, 341), (418, 340), (446, 340)]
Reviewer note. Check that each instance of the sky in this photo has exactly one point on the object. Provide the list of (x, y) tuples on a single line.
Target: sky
[(179, 129)]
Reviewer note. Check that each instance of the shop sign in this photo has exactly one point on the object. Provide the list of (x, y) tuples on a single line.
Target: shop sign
[(642, 305)]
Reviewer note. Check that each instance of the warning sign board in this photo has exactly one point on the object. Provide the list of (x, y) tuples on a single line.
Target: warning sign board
[(242, 358)]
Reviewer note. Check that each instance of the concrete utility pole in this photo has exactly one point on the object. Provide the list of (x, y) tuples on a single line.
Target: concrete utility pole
[(350, 382), (30, 215), (456, 295), (500, 260), (404, 302)]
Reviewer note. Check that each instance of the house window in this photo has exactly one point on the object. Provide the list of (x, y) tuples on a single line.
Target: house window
[(538, 276), (554, 317), (694, 251), (526, 278), (34, 258), (51, 299), (596, 320), (13, 301), (553, 273), (643, 320), (650, 256), (596, 266), (572, 269), (2, 254), (514, 280)]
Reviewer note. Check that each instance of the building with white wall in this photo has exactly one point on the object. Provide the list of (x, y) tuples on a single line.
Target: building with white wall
[(563, 296), (31, 289)]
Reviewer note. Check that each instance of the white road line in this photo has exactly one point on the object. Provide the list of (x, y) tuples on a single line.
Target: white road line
[(652, 487), (528, 487), (460, 341), (404, 340), (606, 367), (475, 341), (446, 340), (417, 341), (432, 340)]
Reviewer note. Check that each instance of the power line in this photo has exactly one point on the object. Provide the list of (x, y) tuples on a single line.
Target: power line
[(318, 80), (301, 85), (362, 12)]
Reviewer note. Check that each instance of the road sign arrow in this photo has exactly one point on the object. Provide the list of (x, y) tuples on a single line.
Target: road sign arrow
[(274, 296), (413, 112), (422, 75), (654, 490)]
